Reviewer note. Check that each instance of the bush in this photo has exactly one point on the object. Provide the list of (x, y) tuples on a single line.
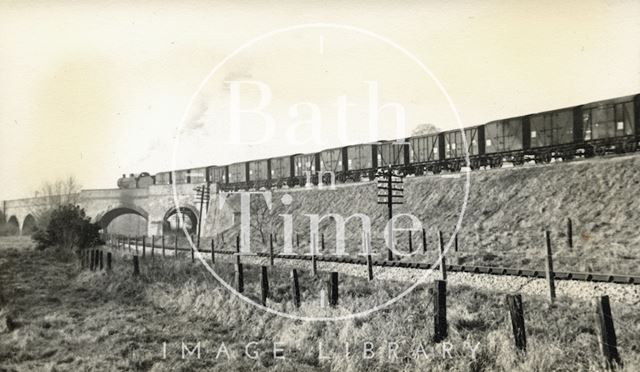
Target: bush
[(68, 228)]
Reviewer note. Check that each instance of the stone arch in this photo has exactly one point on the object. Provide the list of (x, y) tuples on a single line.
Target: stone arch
[(13, 226), (29, 225), (190, 216), (105, 218)]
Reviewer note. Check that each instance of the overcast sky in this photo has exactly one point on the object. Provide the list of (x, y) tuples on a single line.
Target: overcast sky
[(96, 90)]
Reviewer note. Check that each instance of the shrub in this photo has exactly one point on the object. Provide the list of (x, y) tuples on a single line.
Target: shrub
[(68, 228)]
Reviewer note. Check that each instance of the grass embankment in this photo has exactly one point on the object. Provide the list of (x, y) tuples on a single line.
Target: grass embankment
[(503, 224), (55, 316)]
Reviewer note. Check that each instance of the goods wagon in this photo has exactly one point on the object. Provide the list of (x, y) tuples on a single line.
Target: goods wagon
[(424, 148), (218, 174), (258, 170), (182, 176), (237, 173), (608, 119), (281, 168), (503, 135), (305, 163), (454, 145), (331, 160), (361, 157), (391, 153), (163, 178), (551, 128), (198, 175)]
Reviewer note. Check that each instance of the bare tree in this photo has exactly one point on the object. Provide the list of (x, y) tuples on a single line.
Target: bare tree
[(423, 129), (53, 195), (261, 218)]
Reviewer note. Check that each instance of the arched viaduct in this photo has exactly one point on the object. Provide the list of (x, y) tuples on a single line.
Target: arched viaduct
[(155, 204)]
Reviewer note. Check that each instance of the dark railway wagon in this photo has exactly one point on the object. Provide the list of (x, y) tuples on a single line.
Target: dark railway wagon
[(218, 174), (182, 176), (361, 157), (331, 160), (163, 178), (551, 128), (391, 153), (198, 175), (237, 173), (454, 145), (258, 170), (424, 148), (281, 168), (608, 119), (304, 163), (503, 136)]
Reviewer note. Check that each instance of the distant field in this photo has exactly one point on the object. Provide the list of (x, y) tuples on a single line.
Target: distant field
[(66, 319)]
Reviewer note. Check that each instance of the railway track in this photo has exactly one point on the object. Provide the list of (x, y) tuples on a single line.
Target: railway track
[(472, 269)]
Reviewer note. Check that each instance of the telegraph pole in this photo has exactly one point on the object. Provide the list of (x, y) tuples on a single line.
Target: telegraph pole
[(204, 193), (391, 184)]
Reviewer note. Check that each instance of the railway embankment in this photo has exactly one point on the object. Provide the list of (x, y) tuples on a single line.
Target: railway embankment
[(502, 221)]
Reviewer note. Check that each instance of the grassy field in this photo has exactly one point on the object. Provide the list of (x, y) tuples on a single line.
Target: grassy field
[(55, 316)]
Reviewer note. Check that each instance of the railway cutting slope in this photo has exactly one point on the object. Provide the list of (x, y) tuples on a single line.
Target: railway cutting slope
[(506, 213)]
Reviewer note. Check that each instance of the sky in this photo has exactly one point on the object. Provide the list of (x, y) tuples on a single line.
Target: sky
[(96, 89)]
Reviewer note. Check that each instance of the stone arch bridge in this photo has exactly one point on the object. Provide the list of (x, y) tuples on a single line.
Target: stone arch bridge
[(155, 204)]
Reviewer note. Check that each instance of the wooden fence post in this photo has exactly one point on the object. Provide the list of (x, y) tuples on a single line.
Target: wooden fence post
[(92, 259), (264, 285), (455, 241), (410, 241), (569, 233), (239, 271), (136, 266), (333, 289), (297, 240), (213, 251), (193, 258), (369, 267), (440, 311), (550, 274), (144, 246), (424, 241), (295, 289), (608, 340), (108, 261), (162, 243), (101, 255), (271, 249), (314, 264), (443, 261), (153, 245), (516, 310), (322, 237)]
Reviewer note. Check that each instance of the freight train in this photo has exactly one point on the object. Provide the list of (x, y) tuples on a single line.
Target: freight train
[(597, 128)]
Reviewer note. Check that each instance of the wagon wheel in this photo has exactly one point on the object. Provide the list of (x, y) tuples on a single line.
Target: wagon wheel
[(341, 177), (418, 170), (475, 164), (436, 169), (630, 146), (518, 160), (600, 150)]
